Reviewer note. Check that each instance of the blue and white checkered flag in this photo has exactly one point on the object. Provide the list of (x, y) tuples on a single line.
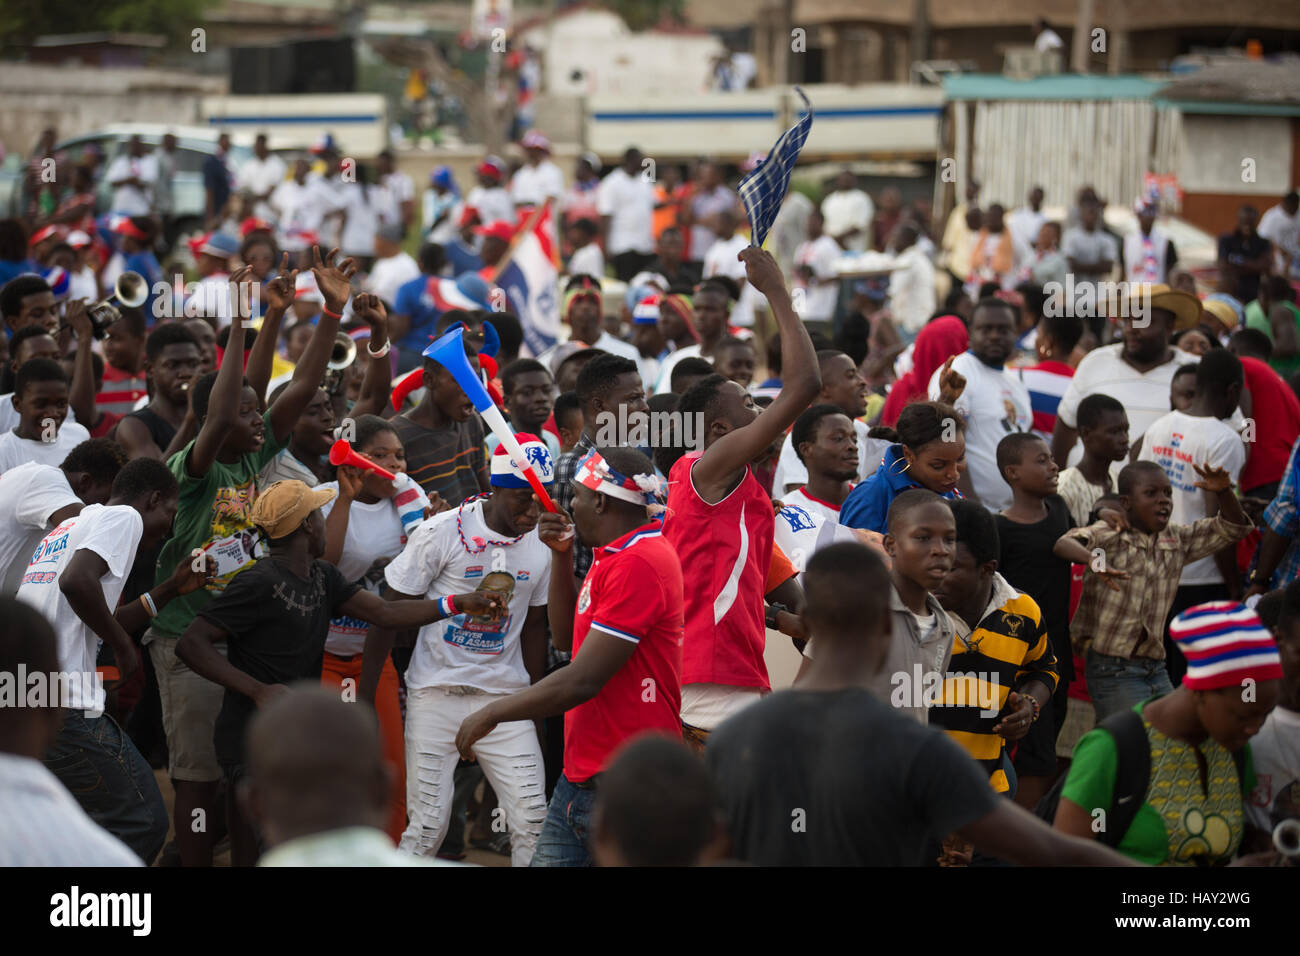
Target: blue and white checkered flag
[(763, 190)]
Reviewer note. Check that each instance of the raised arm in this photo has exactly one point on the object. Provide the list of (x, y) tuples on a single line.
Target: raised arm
[(377, 384), (81, 393), (334, 283), (715, 472), (223, 402), (261, 357)]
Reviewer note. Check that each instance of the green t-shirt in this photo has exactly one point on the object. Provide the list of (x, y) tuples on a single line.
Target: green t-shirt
[(214, 513), (1177, 824)]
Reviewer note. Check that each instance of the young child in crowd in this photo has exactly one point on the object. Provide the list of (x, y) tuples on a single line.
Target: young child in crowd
[(42, 434), (1131, 577), (921, 542), (1103, 433), (1027, 532)]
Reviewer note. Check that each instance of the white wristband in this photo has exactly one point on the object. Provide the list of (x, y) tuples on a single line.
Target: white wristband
[(380, 354)]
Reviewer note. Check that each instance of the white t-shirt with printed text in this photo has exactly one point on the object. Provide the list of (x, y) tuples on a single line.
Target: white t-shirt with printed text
[(462, 651), (1175, 442), (994, 403), (374, 534), (112, 532)]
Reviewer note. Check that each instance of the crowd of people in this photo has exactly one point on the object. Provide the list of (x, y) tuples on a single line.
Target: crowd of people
[(1020, 551)]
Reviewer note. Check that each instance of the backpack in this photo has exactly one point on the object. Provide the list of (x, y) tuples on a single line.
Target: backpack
[(1132, 775)]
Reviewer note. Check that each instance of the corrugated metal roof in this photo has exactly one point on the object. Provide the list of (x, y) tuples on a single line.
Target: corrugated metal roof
[(1065, 86)]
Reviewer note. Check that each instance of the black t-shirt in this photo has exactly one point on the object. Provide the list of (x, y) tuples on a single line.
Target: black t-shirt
[(1028, 564), (815, 778), (276, 624), (1234, 248), (160, 430)]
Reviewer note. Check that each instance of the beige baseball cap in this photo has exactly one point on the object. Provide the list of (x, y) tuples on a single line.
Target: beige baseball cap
[(285, 505)]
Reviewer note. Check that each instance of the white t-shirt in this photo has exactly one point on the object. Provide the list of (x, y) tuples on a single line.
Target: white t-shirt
[(493, 204), (1175, 442), (374, 534), (462, 651), (29, 494), (15, 451), (721, 260), (113, 533), (849, 209), (819, 255), (705, 706), (587, 261), (994, 404), (260, 176), (388, 275), (9, 417), (362, 206), (911, 289), (814, 506), (1284, 232), (629, 201), (131, 200), (211, 299), (532, 184), (1144, 395), (801, 533), (1023, 224), (296, 210), (1275, 753), (399, 186), (791, 471), (664, 384)]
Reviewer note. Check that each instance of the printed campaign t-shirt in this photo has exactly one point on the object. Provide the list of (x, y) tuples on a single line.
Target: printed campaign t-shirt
[(994, 403), (275, 624), (466, 651), (113, 533), (801, 533), (1176, 442), (29, 494), (215, 514), (374, 537), (15, 451), (633, 592)]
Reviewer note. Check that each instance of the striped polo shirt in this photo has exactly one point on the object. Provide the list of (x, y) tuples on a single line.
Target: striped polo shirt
[(1008, 648), (451, 460)]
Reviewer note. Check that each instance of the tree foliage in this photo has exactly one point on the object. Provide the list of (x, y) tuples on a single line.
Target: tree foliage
[(21, 21), (643, 14)]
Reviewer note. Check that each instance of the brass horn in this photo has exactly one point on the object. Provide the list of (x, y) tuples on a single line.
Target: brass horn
[(342, 355), (131, 289)]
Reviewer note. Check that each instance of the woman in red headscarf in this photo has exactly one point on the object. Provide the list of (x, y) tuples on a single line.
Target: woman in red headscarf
[(941, 339)]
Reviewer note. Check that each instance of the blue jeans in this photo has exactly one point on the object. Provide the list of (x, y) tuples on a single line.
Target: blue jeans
[(105, 773), (1117, 683), (567, 831)]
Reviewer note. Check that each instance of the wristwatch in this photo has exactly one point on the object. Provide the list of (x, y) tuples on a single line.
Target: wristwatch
[(769, 615)]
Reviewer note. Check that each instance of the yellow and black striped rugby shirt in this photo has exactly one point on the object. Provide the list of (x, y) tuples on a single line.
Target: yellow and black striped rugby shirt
[(1008, 649)]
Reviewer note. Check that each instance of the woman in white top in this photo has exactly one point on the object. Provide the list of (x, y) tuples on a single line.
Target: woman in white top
[(365, 528)]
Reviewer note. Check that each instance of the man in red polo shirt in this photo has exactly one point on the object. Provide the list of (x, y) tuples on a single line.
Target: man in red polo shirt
[(625, 629), (721, 523)]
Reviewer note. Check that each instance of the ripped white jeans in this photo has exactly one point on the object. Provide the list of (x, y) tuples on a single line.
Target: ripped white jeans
[(511, 758)]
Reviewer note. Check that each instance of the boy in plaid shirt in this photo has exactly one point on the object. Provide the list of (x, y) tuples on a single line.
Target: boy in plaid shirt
[(1120, 626)]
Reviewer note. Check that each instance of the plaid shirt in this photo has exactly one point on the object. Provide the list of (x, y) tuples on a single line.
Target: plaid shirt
[(1130, 622), (1283, 517)]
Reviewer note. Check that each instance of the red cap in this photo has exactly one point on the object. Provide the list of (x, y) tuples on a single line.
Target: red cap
[(467, 215), (500, 229), (40, 235), (123, 226), (486, 168), (253, 224)]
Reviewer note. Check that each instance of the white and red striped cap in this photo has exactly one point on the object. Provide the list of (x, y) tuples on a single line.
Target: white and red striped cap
[(1225, 643)]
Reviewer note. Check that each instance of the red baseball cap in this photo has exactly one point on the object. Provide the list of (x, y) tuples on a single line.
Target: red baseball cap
[(489, 168), (467, 215), (500, 229)]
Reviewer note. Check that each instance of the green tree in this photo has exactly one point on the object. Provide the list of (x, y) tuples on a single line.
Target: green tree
[(21, 21), (643, 14)]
